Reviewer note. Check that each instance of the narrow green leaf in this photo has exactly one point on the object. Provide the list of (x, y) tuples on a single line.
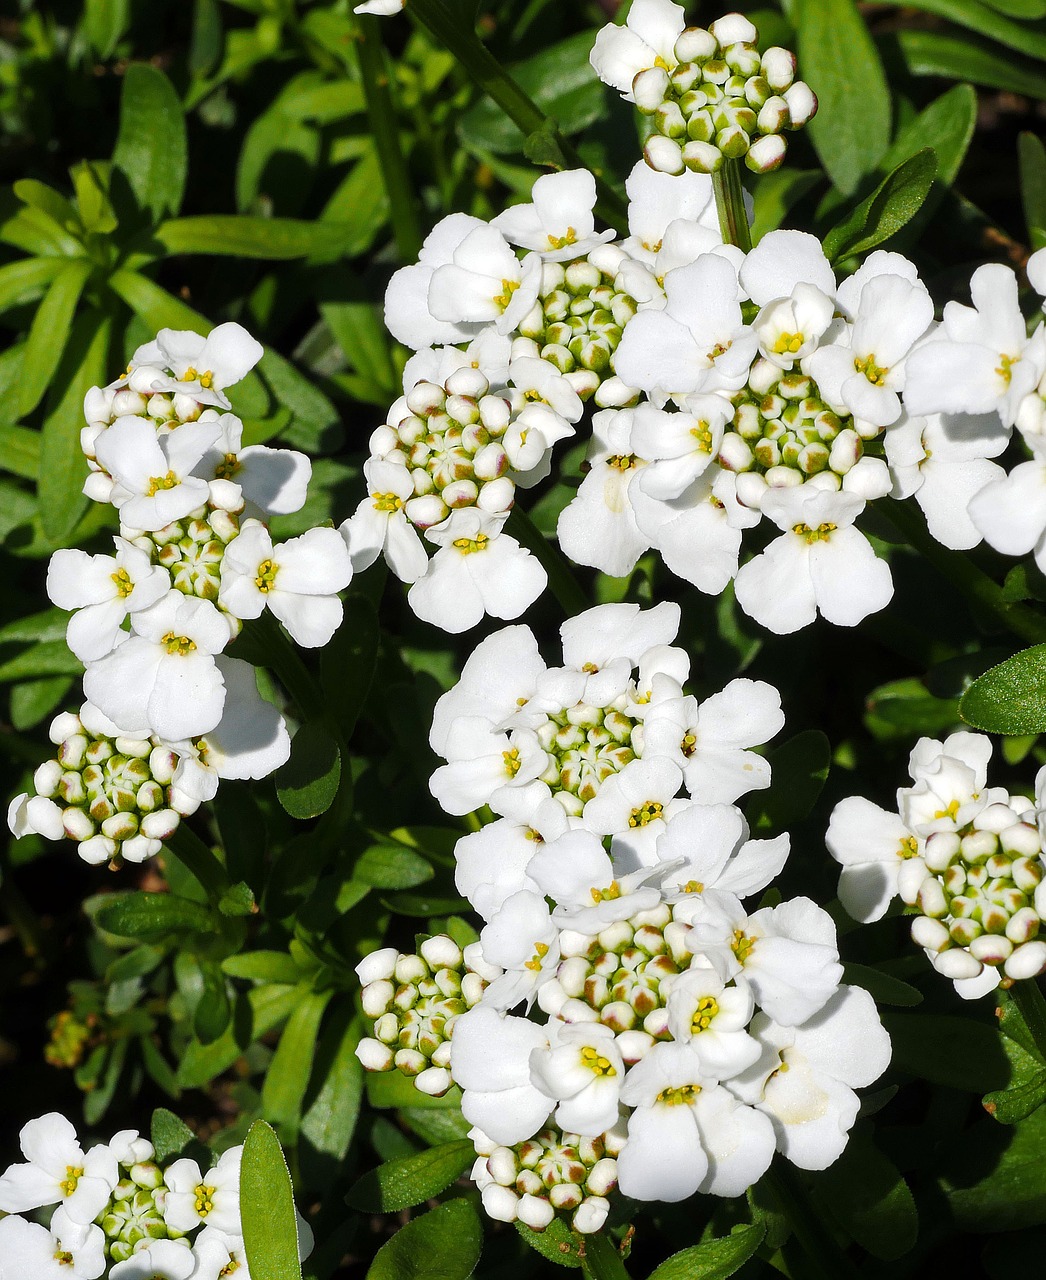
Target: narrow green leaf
[(241, 236), (884, 988), (213, 1010), (799, 768), (49, 333), (20, 450), (401, 1184), (51, 658), (84, 364), (865, 1194), (1009, 698), (1031, 155), (270, 1227), (1010, 1106), (997, 1180), (928, 53), (262, 966), (715, 1259), (173, 1137), (308, 782), (347, 665), (894, 202), (1019, 8), (946, 125), (265, 1008), (26, 279), (852, 127), (947, 1050), (288, 1075), (34, 231), (557, 1242), (105, 21), (359, 331), (34, 699), (151, 149), (151, 915), (443, 1244), (391, 867), (986, 21), (330, 1119), (48, 201)]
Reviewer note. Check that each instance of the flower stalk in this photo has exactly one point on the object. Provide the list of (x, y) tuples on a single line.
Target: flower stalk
[(602, 1259), (730, 205)]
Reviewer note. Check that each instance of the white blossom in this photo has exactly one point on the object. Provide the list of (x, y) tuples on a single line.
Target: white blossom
[(558, 223), (212, 1199), (57, 1171), (65, 1251), (154, 480), (490, 1061)]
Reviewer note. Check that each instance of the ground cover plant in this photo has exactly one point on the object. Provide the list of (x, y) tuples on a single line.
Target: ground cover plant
[(523, 659)]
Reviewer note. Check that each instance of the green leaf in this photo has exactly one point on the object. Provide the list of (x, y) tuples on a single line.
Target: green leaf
[(237, 900), (881, 986), (867, 1197), (715, 1259), (270, 1226), (26, 279), (401, 1184), (330, 1120), (20, 450), (173, 1137), (151, 915), (49, 333), (896, 200), (1010, 1106), (360, 332), (946, 126), (105, 21), (347, 665), (288, 1074), (799, 769), (49, 658), (84, 364), (265, 1008), (262, 966), (308, 782), (559, 79), (986, 21), (241, 236), (390, 1090), (1031, 155), (151, 149), (34, 699), (1009, 698), (1026, 1090), (852, 127), (557, 1242), (999, 1183), (213, 1010), (391, 867), (952, 1051), (443, 1244), (927, 53)]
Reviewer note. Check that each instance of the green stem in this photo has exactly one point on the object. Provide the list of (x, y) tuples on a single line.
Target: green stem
[(384, 127), (730, 204), (564, 586), (460, 39), (280, 654), (602, 1259), (195, 856), (827, 1260), (961, 572), (1027, 995)]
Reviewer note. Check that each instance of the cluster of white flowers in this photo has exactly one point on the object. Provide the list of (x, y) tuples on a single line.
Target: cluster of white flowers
[(684, 1039), (168, 713), (119, 1213), (969, 857), (709, 95)]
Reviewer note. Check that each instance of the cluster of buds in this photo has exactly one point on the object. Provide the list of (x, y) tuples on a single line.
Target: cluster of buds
[(109, 793), (577, 323), (135, 1210), (983, 898), (192, 550), (413, 1001), (586, 745), (552, 1172), (721, 100), (784, 433)]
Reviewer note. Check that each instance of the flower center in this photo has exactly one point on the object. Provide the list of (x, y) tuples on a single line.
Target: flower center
[(229, 466), (683, 1096), (596, 1063), (819, 534), (689, 744), (702, 433), (561, 242), (512, 761), (508, 288), (949, 811), (265, 580), (124, 585), (909, 848), (180, 645), (387, 501), (1005, 367), (648, 812), (205, 379), (694, 886), (469, 545), (73, 1174), (63, 1258), (875, 373), (204, 1201), (156, 483), (622, 461), (540, 952), (788, 343), (609, 894), (741, 945), (707, 1008)]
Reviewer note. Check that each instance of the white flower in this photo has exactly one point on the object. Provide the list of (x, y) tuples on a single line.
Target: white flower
[(597, 526), (582, 1068), (608, 641), (806, 1077), (559, 223), (522, 939), (633, 807), (58, 1171), (699, 342), (66, 1251), (104, 590), (154, 480), (219, 1255), (687, 1133), (710, 740), (980, 358), (481, 281), (407, 314), (384, 9), (943, 461), (646, 40), (787, 953), (1011, 511), (678, 447), (821, 563), (478, 570), (783, 260), (711, 1017), (297, 580), (879, 856), (575, 871), (490, 1061), (380, 527), (249, 741), (657, 200), (159, 1260), (490, 865), (212, 1199), (163, 678), (274, 482), (202, 367)]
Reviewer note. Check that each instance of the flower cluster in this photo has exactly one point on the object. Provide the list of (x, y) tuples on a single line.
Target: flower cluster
[(670, 1011), (968, 857), (709, 95), (169, 714), (119, 1212)]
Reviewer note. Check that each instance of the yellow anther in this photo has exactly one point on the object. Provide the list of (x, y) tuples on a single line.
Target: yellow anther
[(741, 945), (612, 891), (540, 951), (950, 811), (707, 1008), (1005, 367), (788, 343), (561, 242), (180, 645), (685, 1095), (648, 812), (387, 501), (512, 761), (622, 461), (509, 287), (124, 585), (689, 745), (908, 848), (468, 545), (596, 1063), (156, 483), (821, 534), (719, 349), (229, 466), (702, 433), (265, 580), (694, 886), (204, 1201), (875, 373), (73, 1174)]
